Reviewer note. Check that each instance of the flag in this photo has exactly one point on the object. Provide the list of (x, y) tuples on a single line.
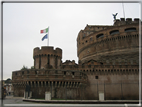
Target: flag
[(44, 31), (45, 37)]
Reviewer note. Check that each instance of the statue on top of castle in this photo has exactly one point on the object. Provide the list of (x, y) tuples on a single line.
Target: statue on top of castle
[(114, 16)]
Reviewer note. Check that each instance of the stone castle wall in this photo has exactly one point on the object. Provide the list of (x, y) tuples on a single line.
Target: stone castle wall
[(115, 81), (55, 81), (108, 63)]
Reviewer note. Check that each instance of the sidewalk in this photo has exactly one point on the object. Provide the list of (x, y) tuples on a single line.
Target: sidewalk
[(77, 101), (84, 101), (11, 97)]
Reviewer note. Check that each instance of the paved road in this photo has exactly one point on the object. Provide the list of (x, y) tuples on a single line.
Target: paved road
[(18, 102)]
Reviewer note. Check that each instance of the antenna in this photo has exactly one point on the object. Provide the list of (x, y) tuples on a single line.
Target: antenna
[(123, 9)]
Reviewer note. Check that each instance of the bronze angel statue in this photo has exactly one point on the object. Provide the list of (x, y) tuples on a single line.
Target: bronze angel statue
[(114, 16)]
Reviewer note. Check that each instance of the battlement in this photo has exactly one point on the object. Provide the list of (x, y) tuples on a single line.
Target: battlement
[(123, 21), (68, 62), (47, 50)]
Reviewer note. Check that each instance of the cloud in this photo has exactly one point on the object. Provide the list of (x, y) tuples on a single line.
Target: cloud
[(22, 23)]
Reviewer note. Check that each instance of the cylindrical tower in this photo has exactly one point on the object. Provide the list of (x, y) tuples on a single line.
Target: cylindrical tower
[(111, 45), (47, 57)]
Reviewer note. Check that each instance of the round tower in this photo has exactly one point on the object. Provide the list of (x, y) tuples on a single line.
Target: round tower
[(47, 57), (117, 44)]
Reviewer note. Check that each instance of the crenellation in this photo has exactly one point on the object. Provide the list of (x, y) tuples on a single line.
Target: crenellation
[(129, 19), (136, 20)]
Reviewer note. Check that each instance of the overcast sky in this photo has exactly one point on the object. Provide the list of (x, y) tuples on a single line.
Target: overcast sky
[(22, 23)]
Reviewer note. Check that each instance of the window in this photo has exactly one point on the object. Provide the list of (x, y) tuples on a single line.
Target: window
[(22, 72), (64, 72), (91, 39), (130, 29), (96, 77), (28, 72), (35, 72), (100, 36), (84, 35), (114, 32)]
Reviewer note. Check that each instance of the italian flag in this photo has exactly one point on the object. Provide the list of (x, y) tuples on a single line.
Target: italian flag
[(44, 31)]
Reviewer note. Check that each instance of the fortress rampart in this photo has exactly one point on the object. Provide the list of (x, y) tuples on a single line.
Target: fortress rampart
[(105, 78), (41, 80)]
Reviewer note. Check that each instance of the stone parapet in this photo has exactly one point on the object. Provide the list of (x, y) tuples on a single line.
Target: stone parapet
[(47, 50), (25, 76)]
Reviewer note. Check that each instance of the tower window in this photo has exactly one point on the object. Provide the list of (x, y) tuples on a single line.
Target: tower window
[(114, 32), (100, 36), (130, 29)]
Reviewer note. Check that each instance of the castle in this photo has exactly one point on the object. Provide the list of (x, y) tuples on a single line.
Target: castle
[(108, 64)]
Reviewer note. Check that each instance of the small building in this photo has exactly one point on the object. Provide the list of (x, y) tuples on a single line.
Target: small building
[(8, 86)]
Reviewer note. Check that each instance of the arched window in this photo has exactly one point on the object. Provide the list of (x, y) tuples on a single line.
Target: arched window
[(114, 32), (130, 29), (100, 35)]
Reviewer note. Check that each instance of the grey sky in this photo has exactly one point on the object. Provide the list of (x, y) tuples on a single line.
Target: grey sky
[(22, 23)]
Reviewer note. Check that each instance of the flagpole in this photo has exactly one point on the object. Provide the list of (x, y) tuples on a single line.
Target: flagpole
[(123, 9), (48, 37)]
